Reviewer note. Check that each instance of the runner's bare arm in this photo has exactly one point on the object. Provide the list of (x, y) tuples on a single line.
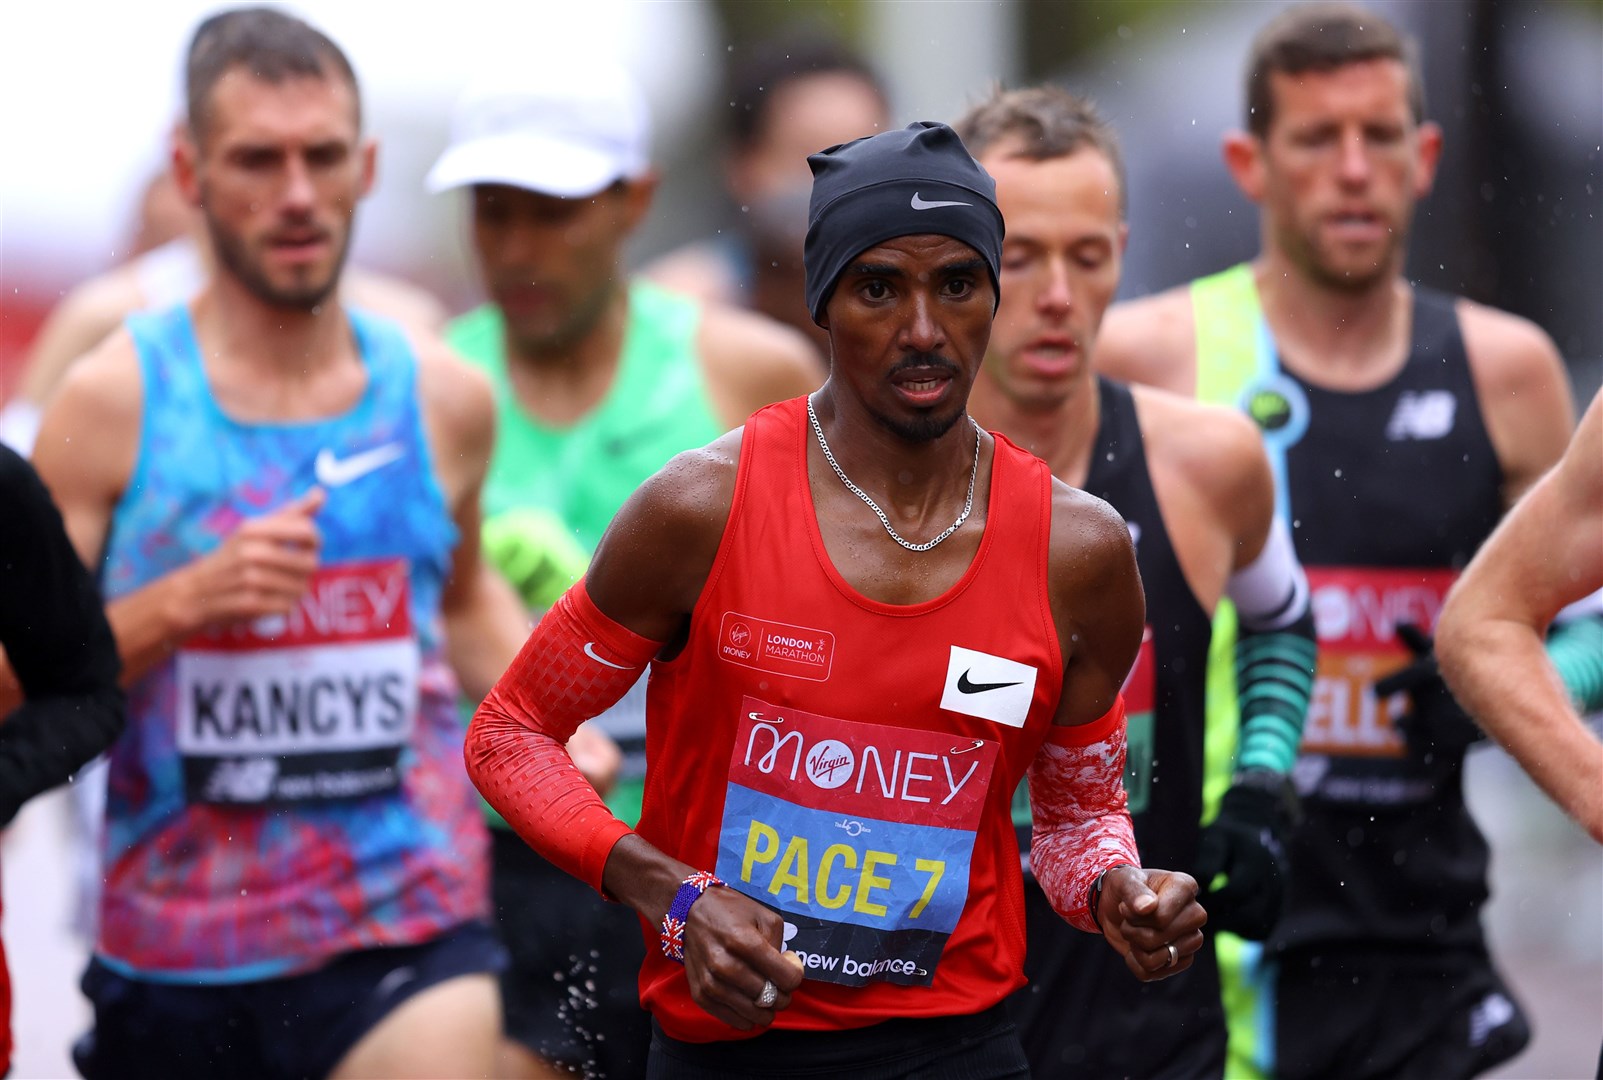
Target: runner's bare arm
[(1151, 341), (635, 600), (1524, 393), (1082, 823), (647, 574), (1097, 603), (655, 556), (485, 622), (750, 361), (86, 452), (1244, 494), (1211, 475), (1546, 553), (1217, 460), (1081, 818), (81, 321)]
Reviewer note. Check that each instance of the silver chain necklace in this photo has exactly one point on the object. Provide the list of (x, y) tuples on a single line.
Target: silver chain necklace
[(968, 503)]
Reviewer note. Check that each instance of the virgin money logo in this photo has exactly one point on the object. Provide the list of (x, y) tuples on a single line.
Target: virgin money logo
[(1358, 608), (740, 635), (830, 763)]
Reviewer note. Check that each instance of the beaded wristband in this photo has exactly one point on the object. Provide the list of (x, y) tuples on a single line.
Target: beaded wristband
[(673, 923)]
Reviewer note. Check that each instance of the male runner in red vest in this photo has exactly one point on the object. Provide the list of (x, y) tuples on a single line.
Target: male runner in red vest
[(867, 620)]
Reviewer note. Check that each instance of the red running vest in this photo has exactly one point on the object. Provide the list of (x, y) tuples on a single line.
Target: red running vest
[(849, 763)]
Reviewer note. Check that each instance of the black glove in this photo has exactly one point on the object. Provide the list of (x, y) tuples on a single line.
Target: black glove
[(1245, 845), (1437, 728)]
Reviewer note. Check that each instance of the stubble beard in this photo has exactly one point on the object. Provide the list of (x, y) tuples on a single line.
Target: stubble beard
[(918, 429), (579, 322), (233, 255), (1305, 251), (923, 427)]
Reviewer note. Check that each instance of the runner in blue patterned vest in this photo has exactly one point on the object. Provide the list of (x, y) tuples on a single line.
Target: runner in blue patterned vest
[(1193, 484), (1401, 422), (282, 498)]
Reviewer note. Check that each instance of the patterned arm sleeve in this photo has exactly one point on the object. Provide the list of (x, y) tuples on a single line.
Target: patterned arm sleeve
[(1081, 816)]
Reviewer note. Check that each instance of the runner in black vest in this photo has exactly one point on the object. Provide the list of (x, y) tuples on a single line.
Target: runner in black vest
[(1079, 1011), (1393, 489), (1194, 487), (1404, 421)]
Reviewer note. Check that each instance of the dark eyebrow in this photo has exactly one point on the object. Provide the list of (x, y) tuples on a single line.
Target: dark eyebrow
[(964, 266), (875, 270), (967, 266)]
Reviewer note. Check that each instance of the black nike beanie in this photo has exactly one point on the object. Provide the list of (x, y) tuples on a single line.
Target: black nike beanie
[(918, 180)]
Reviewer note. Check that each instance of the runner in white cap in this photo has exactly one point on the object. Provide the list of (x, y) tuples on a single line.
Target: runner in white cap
[(599, 381)]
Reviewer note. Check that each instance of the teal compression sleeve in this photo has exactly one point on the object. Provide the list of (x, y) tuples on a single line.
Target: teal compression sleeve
[(1576, 650)]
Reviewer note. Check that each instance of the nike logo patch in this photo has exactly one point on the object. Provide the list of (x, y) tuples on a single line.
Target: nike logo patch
[(966, 687), (988, 686), (920, 204), (336, 472), (590, 651)]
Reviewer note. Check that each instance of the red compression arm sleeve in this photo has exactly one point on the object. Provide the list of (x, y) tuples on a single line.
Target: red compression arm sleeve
[(576, 663), (1081, 817)]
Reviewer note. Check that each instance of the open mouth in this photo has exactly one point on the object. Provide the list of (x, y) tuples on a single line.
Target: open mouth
[(1356, 226), (1051, 355), (922, 386), (299, 247)]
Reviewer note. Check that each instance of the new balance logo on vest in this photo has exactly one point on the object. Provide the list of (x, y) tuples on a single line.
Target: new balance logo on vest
[(990, 687), (1422, 414)]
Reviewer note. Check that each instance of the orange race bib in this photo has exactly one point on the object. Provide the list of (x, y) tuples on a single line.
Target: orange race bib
[(1356, 612)]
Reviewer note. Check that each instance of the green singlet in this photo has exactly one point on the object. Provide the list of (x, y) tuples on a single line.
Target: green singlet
[(552, 491)]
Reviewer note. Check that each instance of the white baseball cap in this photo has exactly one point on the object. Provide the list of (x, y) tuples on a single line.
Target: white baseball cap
[(563, 128)]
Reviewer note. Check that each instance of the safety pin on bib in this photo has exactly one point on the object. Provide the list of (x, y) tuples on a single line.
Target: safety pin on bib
[(965, 749)]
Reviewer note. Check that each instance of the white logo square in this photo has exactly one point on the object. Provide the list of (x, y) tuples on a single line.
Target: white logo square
[(990, 687)]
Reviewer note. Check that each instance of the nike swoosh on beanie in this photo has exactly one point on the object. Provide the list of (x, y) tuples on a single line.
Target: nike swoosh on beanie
[(918, 180)]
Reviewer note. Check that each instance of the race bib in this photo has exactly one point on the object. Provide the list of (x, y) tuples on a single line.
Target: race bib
[(859, 835), (1356, 612), (311, 706)]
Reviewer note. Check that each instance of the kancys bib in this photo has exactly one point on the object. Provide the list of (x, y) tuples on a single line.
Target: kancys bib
[(312, 706)]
